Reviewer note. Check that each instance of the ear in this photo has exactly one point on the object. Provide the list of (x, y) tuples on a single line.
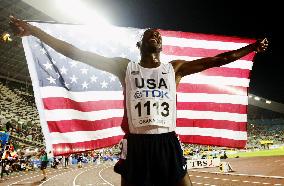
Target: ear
[(138, 44)]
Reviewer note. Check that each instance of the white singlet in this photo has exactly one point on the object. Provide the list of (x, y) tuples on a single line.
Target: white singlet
[(150, 99)]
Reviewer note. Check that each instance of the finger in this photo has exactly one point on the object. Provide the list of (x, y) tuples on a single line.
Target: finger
[(12, 18), (264, 40)]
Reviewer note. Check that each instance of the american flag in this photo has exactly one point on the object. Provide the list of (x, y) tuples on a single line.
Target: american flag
[(81, 108)]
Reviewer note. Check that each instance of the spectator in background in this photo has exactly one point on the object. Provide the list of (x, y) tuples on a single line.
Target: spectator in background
[(66, 160), (8, 126), (44, 162)]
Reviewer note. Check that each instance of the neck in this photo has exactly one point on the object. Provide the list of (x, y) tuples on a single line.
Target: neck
[(150, 60)]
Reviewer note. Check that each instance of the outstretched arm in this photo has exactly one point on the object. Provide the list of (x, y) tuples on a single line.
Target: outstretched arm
[(116, 66), (183, 68)]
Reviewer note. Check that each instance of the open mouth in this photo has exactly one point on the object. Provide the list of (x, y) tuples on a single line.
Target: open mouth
[(153, 40)]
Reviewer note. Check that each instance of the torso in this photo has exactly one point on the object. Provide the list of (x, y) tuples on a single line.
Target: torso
[(150, 99)]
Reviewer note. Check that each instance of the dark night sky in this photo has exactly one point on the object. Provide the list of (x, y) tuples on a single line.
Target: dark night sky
[(253, 19)]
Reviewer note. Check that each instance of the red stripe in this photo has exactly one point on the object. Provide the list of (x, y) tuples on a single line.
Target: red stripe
[(82, 125), (208, 123), (208, 37), (215, 141), (209, 89), (209, 106), (226, 72), (198, 52), (68, 148), (66, 103)]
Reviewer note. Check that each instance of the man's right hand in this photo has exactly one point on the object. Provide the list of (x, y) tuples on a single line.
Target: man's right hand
[(19, 27)]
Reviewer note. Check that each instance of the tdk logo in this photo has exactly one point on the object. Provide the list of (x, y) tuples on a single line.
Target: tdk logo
[(151, 93), (138, 95)]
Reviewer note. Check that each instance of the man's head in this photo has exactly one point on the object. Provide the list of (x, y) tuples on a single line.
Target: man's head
[(151, 41)]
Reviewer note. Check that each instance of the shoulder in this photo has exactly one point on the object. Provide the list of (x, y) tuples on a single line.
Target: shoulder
[(177, 64), (121, 60), (120, 67)]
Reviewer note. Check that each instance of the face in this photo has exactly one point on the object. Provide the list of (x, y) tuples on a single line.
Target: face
[(151, 41)]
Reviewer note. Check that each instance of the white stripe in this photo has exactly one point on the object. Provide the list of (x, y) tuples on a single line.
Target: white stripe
[(215, 80), (204, 44), (193, 114), (241, 64), (70, 114), (80, 96), (215, 98), (223, 133), (81, 136)]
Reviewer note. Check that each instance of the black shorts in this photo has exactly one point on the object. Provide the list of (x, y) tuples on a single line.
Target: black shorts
[(43, 165), (152, 159)]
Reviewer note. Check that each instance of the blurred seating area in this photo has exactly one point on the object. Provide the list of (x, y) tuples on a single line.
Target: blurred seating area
[(18, 114)]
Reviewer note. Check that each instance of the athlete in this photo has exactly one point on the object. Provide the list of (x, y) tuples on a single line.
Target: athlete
[(153, 154)]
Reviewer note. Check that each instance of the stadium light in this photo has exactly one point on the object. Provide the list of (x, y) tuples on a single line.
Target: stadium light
[(80, 12), (268, 102), (256, 98), (96, 25)]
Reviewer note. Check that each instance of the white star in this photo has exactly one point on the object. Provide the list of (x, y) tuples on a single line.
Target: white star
[(63, 70), (84, 70), (51, 80), (47, 66), (57, 75), (66, 84), (73, 63), (85, 85), (94, 78), (104, 84), (54, 62), (112, 78), (73, 79), (42, 51)]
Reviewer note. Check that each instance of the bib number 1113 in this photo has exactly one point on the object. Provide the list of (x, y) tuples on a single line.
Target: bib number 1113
[(160, 109)]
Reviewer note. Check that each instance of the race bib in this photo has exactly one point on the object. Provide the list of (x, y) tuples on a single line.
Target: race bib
[(151, 107)]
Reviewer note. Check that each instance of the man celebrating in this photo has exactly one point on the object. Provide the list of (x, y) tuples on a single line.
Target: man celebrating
[(153, 155)]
